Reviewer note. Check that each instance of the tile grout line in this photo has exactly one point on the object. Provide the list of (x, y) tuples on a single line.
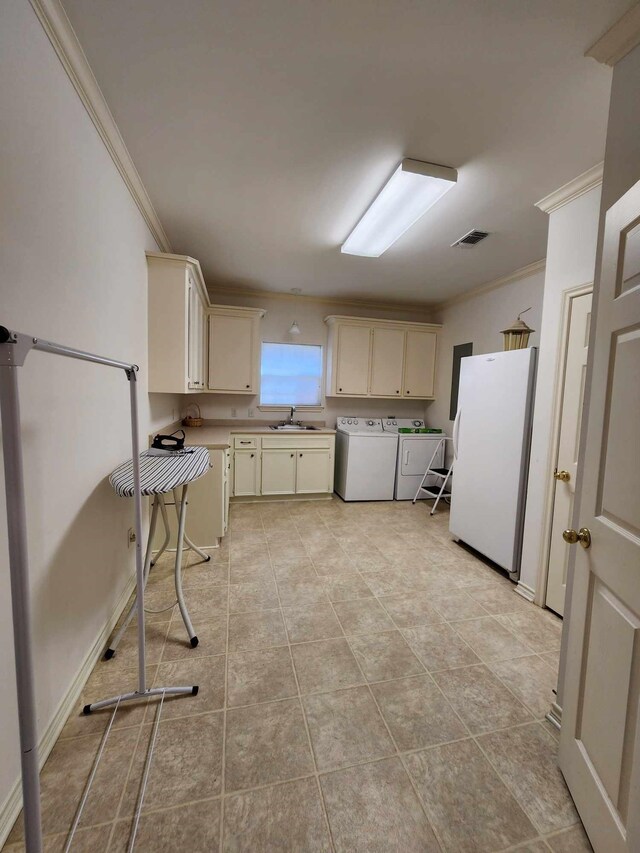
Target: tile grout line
[(304, 714), (482, 662), (299, 523), (393, 741), (223, 760)]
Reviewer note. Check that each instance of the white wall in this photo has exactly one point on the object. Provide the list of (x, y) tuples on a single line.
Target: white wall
[(571, 253), (309, 314), (622, 157), (72, 269), (479, 320)]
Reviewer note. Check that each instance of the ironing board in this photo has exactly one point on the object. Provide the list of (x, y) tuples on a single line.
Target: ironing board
[(161, 473)]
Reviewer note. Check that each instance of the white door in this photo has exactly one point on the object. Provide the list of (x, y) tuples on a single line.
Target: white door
[(352, 375), (420, 364), (245, 472), (313, 471), (387, 358), (278, 472), (231, 353), (600, 737), (566, 467)]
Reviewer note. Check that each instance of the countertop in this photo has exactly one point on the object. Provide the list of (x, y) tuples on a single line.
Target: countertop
[(218, 436)]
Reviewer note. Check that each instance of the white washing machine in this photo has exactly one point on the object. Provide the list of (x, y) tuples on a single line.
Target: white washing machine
[(413, 455), (365, 459)]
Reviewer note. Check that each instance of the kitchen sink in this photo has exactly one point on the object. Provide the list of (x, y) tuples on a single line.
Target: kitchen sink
[(292, 427)]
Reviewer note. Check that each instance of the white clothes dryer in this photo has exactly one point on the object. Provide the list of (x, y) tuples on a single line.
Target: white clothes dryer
[(413, 454)]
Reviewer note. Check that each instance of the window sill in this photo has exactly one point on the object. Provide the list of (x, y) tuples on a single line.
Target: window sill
[(288, 408)]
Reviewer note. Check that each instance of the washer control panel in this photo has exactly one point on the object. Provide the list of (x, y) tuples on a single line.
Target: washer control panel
[(393, 424), (346, 423)]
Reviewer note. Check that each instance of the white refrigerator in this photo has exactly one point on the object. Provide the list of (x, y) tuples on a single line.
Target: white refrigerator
[(491, 439)]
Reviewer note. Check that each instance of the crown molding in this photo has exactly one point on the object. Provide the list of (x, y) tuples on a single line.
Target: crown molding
[(588, 180), (619, 40), (60, 33), (422, 307), (511, 278)]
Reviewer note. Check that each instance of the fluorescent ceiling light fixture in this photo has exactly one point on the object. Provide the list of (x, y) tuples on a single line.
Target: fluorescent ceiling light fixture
[(413, 188)]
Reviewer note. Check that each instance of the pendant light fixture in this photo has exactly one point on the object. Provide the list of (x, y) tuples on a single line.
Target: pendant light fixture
[(413, 188), (294, 328)]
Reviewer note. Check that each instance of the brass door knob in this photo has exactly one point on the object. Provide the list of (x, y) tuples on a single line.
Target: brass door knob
[(564, 476), (583, 536)]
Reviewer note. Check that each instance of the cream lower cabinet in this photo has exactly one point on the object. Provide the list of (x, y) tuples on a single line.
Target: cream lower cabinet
[(314, 471), (283, 465), (207, 507), (246, 473), (278, 472)]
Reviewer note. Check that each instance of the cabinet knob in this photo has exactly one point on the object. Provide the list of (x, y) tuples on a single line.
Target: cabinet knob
[(407, 392), (397, 392), (252, 455), (247, 386), (301, 454), (339, 389), (292, 455)]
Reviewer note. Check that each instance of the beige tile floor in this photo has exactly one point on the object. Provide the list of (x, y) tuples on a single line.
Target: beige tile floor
[(365, 685)]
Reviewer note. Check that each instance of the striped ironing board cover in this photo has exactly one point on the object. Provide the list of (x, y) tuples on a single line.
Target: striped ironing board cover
[(161, 474)]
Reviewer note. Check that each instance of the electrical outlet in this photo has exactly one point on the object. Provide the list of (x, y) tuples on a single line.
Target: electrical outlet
[(131, 537), (250, 413), (234, 413)]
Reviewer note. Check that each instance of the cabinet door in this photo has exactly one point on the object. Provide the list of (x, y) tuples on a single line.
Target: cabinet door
[(387, 356), (231, 353), (196, 332), (352, 372), (419, 364), (278, 472), (245, 472), (192, 330), (313, 471)]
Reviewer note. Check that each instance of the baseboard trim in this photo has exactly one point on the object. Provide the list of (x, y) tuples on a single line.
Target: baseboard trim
[(526, 591), (555, 716), (10, 809)]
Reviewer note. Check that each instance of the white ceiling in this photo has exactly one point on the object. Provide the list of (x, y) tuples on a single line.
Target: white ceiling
[(262, 130)]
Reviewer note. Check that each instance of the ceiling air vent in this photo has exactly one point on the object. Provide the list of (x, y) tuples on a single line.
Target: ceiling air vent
[(470, 238)]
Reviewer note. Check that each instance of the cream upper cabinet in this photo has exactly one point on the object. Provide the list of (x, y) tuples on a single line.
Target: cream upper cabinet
[(234, 349), (352, 373), (380, 358), (419, 364), (197, 336), (177, 301), (387, 358)]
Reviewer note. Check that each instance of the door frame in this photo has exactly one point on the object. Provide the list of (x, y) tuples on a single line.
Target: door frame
[(556, 416)]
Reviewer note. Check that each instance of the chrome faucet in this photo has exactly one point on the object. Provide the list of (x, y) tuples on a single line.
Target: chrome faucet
[(293, 408)]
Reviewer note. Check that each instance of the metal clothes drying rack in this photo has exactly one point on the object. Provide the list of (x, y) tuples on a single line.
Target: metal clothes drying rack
[(14, 348)]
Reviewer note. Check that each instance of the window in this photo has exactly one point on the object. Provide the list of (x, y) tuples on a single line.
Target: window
[(291, 375)]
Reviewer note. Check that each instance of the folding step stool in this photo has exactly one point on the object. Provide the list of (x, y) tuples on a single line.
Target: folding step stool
[(441, 475)]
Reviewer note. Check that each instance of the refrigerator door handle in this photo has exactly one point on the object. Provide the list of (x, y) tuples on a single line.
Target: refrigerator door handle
[(456, 430)]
